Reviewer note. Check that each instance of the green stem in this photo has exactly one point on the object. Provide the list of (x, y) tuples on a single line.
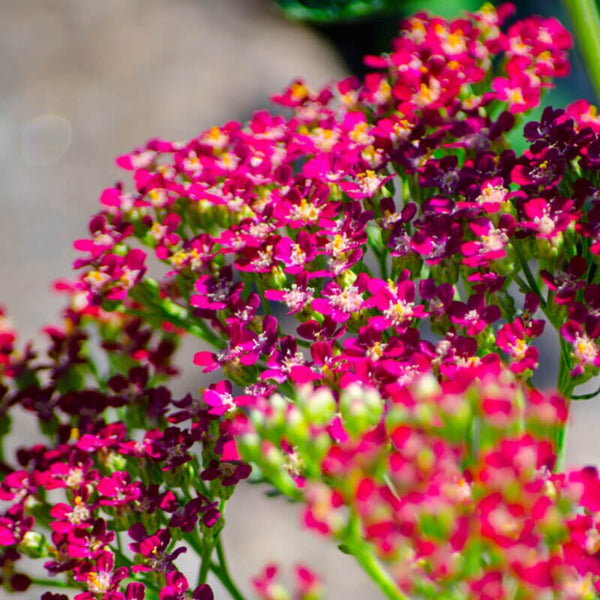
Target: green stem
[(586, 396), (228, 584), (363, 554), (204, 550), (383, 267), (119, 553), (222, 573), (586, 26), (564, 376), (565, 389), (523, 287), (530, 278), (120, 545), (197, 328), (205, 565), (50, 583)]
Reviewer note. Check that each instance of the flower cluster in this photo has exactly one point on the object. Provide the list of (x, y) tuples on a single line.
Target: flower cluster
[(120, 464), (448, 511), (307, 585), (378, 244), (298, 211)]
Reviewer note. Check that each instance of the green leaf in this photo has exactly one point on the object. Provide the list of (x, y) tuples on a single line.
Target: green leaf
[(343, 548), (5, 424), (70, 381), (329, 11), (335, 10)]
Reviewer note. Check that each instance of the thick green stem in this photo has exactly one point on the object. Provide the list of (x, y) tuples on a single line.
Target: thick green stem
[(51, 583), (364, 555), (589, 396), (565, 389), (222, 573), (228, 584), (204, 550), (205, 565), (530, 278), (586, 27), (373, 568)]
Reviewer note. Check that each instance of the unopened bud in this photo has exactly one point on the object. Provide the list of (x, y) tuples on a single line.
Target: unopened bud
[(318, 407), (361, 409), (33, 545)]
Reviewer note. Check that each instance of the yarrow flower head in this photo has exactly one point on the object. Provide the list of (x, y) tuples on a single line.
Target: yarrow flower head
[(367, 277)]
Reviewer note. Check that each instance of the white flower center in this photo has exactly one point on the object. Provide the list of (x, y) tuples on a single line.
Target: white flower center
[(79, 513), (296, 297), (495, 240), (545, 224), (98, 583), (586, 350), (348, 300), (492, 194), (400, 311), (472, 316), (306, 212)]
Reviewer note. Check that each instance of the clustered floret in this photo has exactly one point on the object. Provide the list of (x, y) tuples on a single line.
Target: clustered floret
[(370, 270)]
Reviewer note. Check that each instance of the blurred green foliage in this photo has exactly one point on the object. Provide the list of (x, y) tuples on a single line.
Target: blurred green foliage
[(332, 11)]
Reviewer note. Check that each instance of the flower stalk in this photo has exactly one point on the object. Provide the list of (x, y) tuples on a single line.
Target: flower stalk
[(586, 26)]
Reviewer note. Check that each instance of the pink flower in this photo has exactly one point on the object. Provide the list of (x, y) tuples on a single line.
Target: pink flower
[(548, 218), (511, 338), (341, 303), (396, 301), (491, 241), (100, 577), (475, 315), (585, 349)]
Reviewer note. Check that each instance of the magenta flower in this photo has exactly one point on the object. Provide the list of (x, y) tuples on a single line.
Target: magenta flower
[(548, 218), (341, 303), (585, 349), (420, 446), (297, 297), (101, 577), (117, 490), (187, 517), (85, 543), (68, 517), (288, 363), (519, 91), (565, 284), (153, 548), (365, 185), (396, 301), (438, 236), (492, 195), (228, 473), (511, 338), (219, 398), (491, 241), (584, 114), (177, 588), (475, 315), (295, 255), (169, 447), (328, 329)]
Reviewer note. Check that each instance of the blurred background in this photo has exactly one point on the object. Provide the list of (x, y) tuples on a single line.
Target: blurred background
[(83, 81)]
